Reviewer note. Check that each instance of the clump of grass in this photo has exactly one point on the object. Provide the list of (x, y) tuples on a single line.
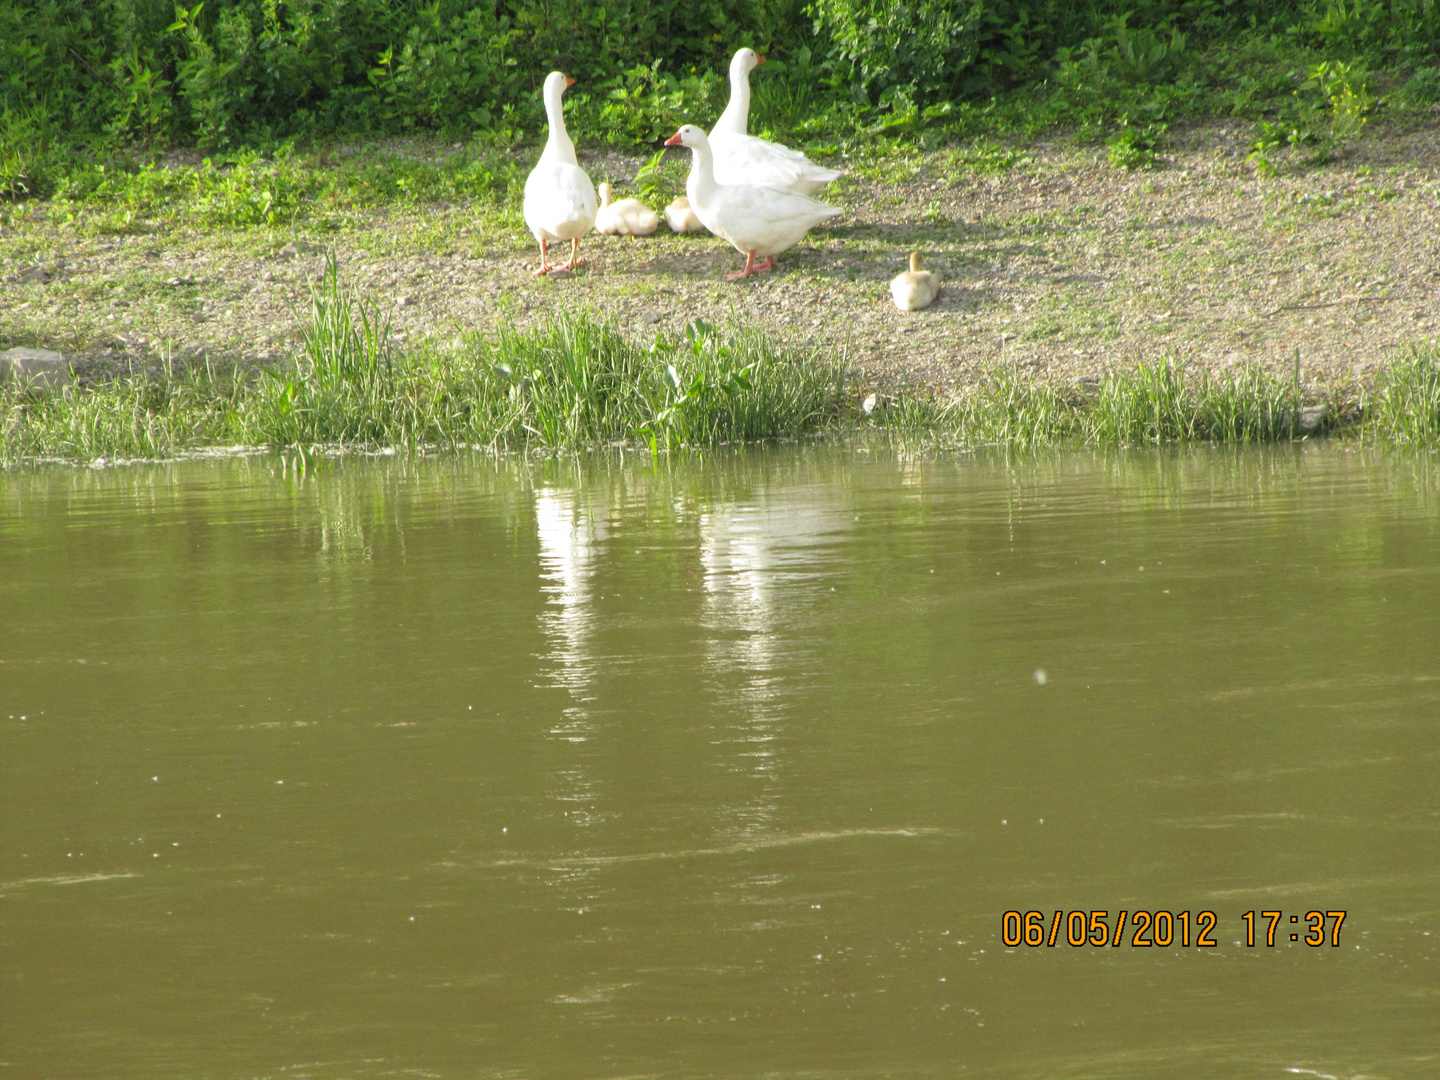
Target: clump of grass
[(1161, 403), (1004, 407), (344, 388), (1403, 405), (137, 416), (573, 383), (1154, 404), (250, 189)]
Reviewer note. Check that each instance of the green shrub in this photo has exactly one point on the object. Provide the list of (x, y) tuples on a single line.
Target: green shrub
[(1423, 87), (1403, 406), (890, 50)]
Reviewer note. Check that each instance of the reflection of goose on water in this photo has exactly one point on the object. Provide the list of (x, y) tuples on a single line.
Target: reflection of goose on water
[(751, 555), (747, 551), (568, 539), (748, 554), (565, 547)]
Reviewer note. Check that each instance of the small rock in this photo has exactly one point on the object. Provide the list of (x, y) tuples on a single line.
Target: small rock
[(267, 276), (32, 366), (296, 248), (404, 301), (33, 275), (1312, 417)]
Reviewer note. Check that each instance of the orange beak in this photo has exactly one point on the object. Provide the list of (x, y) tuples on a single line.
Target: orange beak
[(673, 140), (759, 59), (569, 82)]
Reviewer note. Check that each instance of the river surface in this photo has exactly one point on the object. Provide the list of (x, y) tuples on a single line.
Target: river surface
[(722, 767)]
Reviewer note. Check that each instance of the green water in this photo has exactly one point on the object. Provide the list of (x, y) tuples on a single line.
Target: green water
[(726, 768)]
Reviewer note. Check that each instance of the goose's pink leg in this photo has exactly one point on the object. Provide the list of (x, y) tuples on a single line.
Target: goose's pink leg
[(543, 268), (575, 259), (751, 268)]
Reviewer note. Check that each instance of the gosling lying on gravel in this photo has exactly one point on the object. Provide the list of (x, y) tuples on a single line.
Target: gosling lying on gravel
[(680, 217), (628, 217), (915, 288)]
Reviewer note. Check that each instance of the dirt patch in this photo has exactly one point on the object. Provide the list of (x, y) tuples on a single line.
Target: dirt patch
[(1061, 263)]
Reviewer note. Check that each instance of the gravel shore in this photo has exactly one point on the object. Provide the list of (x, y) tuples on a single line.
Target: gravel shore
[(1059, 262)]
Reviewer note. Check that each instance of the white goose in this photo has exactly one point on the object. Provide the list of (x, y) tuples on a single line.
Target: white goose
[(628, 217), (756, 220), (560, 200), (742, 158), (914, 288)]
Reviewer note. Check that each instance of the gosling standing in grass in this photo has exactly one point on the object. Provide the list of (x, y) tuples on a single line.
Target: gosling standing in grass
[(915, 288)]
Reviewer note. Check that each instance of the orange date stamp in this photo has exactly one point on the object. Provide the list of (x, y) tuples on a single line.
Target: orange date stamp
[(1163, 929)]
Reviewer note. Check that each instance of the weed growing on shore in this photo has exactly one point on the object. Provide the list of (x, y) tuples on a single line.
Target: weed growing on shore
[(1403, 405), (134, 417), (1154, 404), (1161, 403)]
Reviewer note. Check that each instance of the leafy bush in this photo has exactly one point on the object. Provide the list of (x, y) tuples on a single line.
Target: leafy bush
[(1359, 27), (1136, 145), (1331, 106), (26, 145), (893, 50), (644, 103), (1423, 87)]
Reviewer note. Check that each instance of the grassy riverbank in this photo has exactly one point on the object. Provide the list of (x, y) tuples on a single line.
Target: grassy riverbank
[(576, 384)]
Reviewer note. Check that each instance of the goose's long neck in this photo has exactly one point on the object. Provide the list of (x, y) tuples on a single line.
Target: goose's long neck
[(700, 184), (735, 120), (558, 144)]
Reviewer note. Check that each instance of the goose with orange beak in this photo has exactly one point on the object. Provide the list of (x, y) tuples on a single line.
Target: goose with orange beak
[(758, 221), (560, 202), (742, 158)]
